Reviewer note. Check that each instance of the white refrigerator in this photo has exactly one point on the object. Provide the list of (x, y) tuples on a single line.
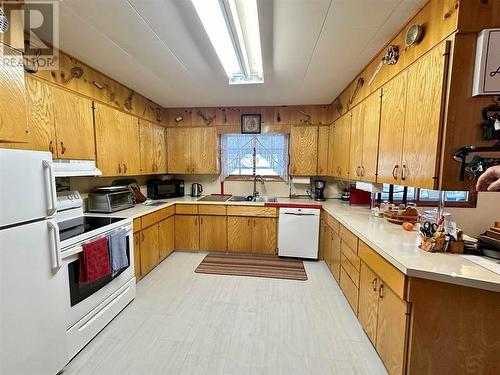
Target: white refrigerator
[(32, 286)]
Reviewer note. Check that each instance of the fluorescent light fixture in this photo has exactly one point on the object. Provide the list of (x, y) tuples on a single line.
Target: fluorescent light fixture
[(233, 29)]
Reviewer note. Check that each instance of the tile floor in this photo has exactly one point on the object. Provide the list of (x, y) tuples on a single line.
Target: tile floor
[(187, 323)]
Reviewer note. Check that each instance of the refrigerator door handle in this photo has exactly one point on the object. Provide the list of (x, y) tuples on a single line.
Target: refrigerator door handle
[(52, 192), (56, 246)]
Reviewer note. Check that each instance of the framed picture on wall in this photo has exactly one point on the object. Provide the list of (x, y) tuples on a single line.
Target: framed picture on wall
[(250, 123)]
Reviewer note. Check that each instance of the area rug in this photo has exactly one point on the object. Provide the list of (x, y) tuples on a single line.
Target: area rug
[(256, 265)]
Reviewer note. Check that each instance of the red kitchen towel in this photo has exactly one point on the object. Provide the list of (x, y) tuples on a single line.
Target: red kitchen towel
[(94, 261)]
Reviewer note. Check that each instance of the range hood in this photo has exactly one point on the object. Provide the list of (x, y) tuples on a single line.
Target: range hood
[(72, 168)]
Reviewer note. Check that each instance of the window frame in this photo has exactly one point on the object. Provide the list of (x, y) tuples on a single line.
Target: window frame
[(267, 178)]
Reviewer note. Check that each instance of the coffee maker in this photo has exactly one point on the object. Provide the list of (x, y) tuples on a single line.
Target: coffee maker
[(318, 190)]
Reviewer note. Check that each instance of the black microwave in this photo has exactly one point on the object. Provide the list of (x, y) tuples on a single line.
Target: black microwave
[(161, 189)]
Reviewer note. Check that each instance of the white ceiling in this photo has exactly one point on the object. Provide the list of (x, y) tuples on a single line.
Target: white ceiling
[(311, 48)]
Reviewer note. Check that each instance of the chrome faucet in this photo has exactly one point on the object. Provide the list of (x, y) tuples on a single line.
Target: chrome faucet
[(255, 193)]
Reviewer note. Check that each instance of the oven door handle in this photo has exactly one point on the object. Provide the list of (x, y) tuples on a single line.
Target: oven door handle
[(56, 245)]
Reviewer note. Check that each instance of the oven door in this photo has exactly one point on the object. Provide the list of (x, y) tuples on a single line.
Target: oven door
[(83, 298)]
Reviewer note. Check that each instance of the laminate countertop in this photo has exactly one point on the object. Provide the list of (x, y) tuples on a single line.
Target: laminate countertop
[(398, 247)]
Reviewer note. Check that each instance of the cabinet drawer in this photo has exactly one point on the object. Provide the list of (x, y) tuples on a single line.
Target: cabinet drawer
[(391, 276), (252, 211), (151, 218), (333, 223), (350, 290), (186, 209), (212, 209), (349, 238), (137, 224), (350, 270), (350, 254), (167, 212)]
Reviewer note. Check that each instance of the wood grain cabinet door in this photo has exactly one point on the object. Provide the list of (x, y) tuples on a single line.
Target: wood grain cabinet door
[(327, 246), (303, 150), (344, 145), (323, 142), (74, 126), (239, 234), (332, 152), (368, 301), (424, 105), (150, 253), (187, 232), (166, 235), (129, 128), (356, 145), (146, 147), (137, 255), (335, 255), (371, 127), (213, 233), (204, 150), (179, 150), (392, 330), (13, 117), (264, 235), (159, 149), (392, 123)]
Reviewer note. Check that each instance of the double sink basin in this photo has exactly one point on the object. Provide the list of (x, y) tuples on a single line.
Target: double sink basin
[(238, 198)]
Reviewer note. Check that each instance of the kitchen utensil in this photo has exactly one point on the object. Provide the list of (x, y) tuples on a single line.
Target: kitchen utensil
[(429, 229)]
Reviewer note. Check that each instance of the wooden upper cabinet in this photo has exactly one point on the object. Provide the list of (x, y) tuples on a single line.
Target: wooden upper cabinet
[(322, 168), (364, 139), (13, 118), (331, 150), (153, 148), (392, 123), (146, 147), (340, 148), (179, 150), (303, 150), (193, 150), (204, 150), (117, 141), (424, 106), (73, 115)]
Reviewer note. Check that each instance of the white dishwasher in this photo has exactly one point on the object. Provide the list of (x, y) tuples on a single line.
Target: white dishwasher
[(298, 232)]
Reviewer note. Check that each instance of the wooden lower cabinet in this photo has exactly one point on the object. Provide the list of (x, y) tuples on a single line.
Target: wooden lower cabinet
[(325, 242), (213, 233), (166, 237), (187, 232), (350, 290), (368, 301), (335, 255), (150, 253), (239, 234), (392, 327), (264, 235), (137, 255)]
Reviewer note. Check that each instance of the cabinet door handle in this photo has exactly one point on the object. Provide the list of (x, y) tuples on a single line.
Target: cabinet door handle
[(142, 236), (249, 222), (362, 171), (374, 284), (51, 147), (63, 149), (119, 168), (381, 291), (395, 172), (403, 173), (124, 168), (201, 220)]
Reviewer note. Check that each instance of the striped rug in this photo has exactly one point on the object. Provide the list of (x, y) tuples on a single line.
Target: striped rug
[(257, 265)]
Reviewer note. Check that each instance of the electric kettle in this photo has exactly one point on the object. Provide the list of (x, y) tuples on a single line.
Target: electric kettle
[(196, 190)]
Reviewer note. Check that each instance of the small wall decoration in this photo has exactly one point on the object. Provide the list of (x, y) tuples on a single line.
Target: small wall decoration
[(487, 68), (250, 123)]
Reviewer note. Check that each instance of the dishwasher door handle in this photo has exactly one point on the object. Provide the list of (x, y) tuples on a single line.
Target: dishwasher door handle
[(298, 214)]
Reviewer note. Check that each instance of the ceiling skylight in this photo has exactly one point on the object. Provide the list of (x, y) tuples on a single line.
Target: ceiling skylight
[(233, 29)]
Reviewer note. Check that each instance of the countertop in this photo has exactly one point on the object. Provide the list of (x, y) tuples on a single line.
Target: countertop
[(394, 244)]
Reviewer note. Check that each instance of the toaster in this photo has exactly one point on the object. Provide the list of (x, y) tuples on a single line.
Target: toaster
[(110, 199)]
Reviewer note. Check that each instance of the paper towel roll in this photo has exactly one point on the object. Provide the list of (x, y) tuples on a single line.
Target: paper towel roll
[(301, 180)]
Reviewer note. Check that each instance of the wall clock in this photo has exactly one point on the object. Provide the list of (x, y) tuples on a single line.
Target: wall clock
[(250, 123)]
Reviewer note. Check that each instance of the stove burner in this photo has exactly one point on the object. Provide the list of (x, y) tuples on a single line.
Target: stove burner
[(84, 224)]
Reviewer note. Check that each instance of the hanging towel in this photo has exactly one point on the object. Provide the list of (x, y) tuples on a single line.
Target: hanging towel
[(118, 250), (94, 261)]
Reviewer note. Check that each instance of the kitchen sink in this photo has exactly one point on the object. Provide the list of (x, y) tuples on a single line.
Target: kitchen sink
[(263, 199)]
